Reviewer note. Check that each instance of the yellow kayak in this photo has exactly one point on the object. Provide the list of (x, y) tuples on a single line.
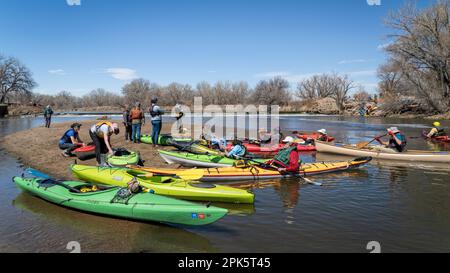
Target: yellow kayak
[(229, 174)]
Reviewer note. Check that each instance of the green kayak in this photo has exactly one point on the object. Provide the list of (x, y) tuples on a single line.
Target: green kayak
[(164, 140), (111, 201), (168, 186), (202, 161), (129, 158)]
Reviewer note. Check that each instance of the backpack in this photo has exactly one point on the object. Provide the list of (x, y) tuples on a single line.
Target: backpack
[(153, 113)]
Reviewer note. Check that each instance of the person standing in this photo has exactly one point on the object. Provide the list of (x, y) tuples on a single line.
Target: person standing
[(156, 113), (100, 134), (127, 123), (137, 120), (48, 112)]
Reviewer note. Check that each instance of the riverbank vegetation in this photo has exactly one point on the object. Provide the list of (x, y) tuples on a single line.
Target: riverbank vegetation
[(415, 80)]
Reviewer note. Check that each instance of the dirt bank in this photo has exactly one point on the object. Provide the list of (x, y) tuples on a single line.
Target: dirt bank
[(38, 148)]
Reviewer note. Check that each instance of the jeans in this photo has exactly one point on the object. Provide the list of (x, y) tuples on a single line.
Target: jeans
[(136, 132), (156, 131), (68, 147)]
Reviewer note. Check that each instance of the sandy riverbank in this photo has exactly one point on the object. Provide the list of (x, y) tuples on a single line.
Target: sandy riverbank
[(38, 148)]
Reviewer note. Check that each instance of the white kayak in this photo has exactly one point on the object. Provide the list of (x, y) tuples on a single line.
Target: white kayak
[(410, 155)]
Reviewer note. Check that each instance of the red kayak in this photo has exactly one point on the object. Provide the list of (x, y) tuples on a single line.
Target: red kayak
[(85, 152), (314, 136), (257, 149), (445, 139)]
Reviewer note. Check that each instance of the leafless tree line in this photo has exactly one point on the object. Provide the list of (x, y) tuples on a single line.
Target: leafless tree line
[(418, 69), (15, 79)]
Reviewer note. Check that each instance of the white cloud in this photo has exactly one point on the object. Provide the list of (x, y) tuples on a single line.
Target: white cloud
[(363, 73), (59, 72), (352, 61), (123, 74), (272, 74)]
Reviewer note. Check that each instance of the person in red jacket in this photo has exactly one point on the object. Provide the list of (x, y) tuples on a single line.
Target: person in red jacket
[(288, 159)]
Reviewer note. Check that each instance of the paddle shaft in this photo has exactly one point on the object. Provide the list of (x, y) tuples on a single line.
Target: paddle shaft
[(46, 177)]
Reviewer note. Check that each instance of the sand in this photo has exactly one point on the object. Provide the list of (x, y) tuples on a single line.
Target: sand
[(38, 148)]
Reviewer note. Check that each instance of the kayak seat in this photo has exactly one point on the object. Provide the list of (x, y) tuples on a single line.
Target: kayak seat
[(202, 185)]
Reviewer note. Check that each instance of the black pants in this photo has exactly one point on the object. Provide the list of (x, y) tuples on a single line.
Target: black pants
[(128, 131), (48, 121), (68, 147), (100, 146)]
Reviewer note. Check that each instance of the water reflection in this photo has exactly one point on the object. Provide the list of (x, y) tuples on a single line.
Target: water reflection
[(113, 234)]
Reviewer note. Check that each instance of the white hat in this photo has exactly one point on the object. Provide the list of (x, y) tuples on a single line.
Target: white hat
[(288, 139), (394, 130), (322, 131)]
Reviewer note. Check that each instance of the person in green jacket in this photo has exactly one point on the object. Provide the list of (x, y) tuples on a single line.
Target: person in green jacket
[(48, 112)]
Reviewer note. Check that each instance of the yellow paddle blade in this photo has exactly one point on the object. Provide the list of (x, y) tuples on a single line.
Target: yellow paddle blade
[(193, 174), (362, 145)]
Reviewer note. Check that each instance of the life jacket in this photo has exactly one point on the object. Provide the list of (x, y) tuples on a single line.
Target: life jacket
[(100, 124), (154, 113), (65, 138), (395, 145), (284, 156), (440, 132), (136, 114)]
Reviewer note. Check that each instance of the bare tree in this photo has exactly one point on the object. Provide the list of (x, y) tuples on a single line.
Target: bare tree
[(318, 86), (422, 47), (101, 97), (65, 100), (138, 90), (361, 96), (15, 78), (272, 92), (342, 86)]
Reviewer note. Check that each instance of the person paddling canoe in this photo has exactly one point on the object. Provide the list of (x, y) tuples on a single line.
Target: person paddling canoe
[(287, 160), (436, 131), (397, 141)]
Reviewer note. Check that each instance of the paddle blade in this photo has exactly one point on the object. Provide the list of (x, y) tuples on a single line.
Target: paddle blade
[(362, 145), (37, 173), (194, 174)]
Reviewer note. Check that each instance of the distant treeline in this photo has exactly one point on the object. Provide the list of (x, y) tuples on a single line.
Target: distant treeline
[(416, 77)]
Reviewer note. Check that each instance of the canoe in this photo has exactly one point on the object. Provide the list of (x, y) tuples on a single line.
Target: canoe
[(164, 140), (202, 161), (272, 149), (167, 186), (410, 155), (256, 173), (314, 136), (106, 201), (125, 159)]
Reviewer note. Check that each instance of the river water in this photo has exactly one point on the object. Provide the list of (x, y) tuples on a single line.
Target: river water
[(403, 206)]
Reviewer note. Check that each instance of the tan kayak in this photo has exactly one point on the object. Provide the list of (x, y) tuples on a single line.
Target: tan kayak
[(410, 155)]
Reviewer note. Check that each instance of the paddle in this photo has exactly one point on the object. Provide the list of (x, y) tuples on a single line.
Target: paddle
[(267, 166), (362, 145), (47, 178)]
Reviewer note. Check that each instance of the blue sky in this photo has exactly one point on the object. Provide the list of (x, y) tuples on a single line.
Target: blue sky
[(105, 43)]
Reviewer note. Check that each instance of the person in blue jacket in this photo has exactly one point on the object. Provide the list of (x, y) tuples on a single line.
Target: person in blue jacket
[(71, 140)]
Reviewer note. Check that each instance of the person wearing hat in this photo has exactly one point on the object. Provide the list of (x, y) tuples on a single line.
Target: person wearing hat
[(323, 135), (48, 112), (100, 134), (238, 150), (71, 140), (287, 160), (156, 114), (436, 131), (397, 141), (137, 118)]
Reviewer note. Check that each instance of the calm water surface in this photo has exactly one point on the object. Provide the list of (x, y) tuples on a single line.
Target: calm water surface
[(404, 206)]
